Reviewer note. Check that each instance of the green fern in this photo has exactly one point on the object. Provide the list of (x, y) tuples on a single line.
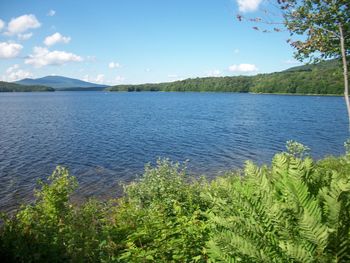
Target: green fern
[(294, 211)]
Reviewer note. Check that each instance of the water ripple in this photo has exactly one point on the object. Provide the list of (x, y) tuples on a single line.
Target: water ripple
[(108, 138)]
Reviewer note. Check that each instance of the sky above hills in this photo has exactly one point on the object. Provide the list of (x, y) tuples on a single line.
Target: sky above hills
[(136, 41)]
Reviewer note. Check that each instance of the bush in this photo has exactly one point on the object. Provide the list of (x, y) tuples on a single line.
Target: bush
[(162, 217), (295, 210), (52, 229)]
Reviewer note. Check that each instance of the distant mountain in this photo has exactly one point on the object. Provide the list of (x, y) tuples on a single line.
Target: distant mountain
[(60, 83), (13, 87)]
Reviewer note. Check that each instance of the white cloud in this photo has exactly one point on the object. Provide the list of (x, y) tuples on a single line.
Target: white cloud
[(42, 57), (21, 24), (248, 5), (113, 65), (243, 68), (214, 73), (51, 13), (119, 79), (12, 68), (9, 50), (25, 36), (2, 24), (56, 38), (100, 78), (15, 73)]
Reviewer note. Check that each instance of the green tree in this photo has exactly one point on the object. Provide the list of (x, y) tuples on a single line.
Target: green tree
[(325, 29)]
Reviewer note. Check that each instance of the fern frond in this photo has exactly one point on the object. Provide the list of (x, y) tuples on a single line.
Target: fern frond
[(296, 251), (343, 248), (314, 231)]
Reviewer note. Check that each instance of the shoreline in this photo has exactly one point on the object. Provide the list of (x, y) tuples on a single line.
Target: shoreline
[(297, 94), (253, 93), (124, 91)]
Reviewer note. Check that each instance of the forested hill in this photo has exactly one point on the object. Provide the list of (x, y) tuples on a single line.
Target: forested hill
[(12, 87), (322, 78)]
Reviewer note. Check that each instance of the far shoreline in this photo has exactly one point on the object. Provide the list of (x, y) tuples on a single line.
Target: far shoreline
[(253, 93)]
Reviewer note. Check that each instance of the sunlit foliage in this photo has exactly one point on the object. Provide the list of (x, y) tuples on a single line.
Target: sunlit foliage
[(294, 210)]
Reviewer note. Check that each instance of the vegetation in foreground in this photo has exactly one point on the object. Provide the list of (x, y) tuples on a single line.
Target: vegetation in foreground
[(322, 78), (13, 87), (293, 210)]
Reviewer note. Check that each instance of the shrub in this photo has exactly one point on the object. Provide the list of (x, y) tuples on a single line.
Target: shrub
[(293, 211), (162, 215), (52, 229)]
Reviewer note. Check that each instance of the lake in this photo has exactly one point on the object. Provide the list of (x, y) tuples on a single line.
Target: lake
[(107, 138)]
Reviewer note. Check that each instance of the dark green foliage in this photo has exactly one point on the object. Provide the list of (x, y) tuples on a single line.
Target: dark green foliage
[(318, 80), (323, 78), (12, 87), (295, 210)]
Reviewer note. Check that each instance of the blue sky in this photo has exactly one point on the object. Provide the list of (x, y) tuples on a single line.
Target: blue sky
[(129, 41)]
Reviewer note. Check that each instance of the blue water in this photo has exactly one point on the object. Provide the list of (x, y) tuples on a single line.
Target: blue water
[(105, 138)]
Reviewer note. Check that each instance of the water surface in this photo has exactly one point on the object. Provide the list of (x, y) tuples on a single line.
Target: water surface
[(105, 138)]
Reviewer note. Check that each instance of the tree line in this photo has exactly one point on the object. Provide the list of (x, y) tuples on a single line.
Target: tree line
[(13, 87), (322, 78)]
